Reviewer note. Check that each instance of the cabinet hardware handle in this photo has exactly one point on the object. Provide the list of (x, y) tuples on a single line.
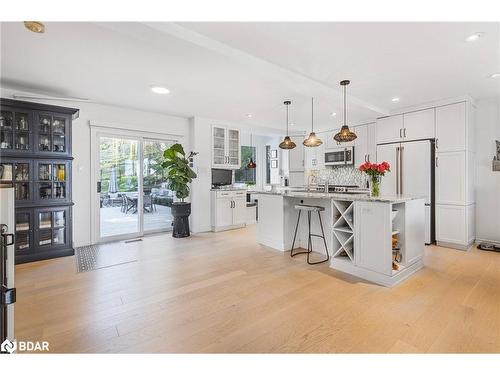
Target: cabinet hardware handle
[(397, 170), (400, 130), (437, 143), (401, 169), (437, 162), (404, 133)]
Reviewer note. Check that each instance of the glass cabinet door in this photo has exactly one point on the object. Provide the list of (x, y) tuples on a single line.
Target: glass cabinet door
[(22, 131), (52, 180), (234, 147), (24, 231), (52, 227), (6, 130), (52, 133), (17, 175), (219, 146)]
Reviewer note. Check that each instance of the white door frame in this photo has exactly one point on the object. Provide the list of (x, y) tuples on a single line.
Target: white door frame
[(140, 136)]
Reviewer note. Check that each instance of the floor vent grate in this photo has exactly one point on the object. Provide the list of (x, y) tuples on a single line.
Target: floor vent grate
[(93, 257)]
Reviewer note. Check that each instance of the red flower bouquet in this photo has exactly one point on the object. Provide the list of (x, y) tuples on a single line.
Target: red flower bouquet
[(375, 171)]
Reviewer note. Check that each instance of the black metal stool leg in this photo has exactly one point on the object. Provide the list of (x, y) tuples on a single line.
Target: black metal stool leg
[(295, 236), (324, 241)]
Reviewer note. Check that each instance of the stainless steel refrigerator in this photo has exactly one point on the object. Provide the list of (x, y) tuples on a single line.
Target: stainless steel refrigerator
[(412, 174), (8, 292)]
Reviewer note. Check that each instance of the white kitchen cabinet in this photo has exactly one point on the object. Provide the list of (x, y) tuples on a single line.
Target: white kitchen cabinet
[(451, 225), (228, 209), (451, 127), (390, 129), (419, 125), (226, 150), (296, 156), (451, 178), (365, 145)]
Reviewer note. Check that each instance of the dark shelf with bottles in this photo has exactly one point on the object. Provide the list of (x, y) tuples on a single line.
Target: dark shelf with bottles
[(35, 159)]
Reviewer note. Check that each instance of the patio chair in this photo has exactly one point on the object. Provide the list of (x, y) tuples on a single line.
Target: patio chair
[(148, 202), (131, 204)]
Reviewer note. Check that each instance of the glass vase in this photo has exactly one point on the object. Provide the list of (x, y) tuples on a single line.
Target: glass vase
[(375, 185)]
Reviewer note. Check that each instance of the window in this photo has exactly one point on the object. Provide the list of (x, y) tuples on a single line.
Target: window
[(268, 164), (245, 174)]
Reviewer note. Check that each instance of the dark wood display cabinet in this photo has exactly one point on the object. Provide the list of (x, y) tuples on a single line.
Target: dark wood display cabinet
[(35, 159)]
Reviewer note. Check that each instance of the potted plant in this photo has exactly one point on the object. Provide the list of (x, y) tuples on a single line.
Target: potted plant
[(179, 175), (375, 173)]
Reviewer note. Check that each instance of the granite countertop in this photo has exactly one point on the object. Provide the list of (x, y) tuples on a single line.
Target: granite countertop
[(230, 189), (350, 197)]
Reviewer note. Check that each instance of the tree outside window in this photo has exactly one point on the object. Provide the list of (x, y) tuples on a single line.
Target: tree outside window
[(244, 174)]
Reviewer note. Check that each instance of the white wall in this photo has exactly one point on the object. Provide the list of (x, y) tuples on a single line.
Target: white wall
[(487, 181), (104, 115)]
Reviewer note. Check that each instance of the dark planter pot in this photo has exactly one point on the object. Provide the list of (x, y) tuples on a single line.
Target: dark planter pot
[(180, 212)]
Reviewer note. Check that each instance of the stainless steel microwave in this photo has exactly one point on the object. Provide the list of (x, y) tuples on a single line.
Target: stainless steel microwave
[(340, 156)]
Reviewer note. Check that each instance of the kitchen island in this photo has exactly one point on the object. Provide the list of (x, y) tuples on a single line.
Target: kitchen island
[(361, 231)]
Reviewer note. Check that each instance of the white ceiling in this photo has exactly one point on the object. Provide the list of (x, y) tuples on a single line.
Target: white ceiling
[(226, 70)]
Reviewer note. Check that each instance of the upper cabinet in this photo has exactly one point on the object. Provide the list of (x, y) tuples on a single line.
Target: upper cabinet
[(226, 150), (390, 129), (451, 127), (25, 129), (15, 130), (52, 135), (365, 144), (407, 127), (419, 125)]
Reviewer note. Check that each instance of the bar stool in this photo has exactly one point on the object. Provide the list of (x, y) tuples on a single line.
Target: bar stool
[(310, 209)]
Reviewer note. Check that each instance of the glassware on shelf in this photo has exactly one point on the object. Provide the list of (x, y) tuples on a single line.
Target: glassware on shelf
[(44, 142), (6, 172), (59, 126), (21, 122), (59, 190), (44, 124), (59, 219), (60, 174), (45, 190), (58, 141), (22, 172), (6, 120), (45, 172), (22, 191), (5, 139), (22, 222), (22, 141)]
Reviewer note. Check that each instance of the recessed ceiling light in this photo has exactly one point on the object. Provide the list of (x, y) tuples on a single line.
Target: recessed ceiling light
[(395, 100), (474, 37), (249, 115), (495, 75), (160, 90), (333, 114), (35, 26), (292, 123)]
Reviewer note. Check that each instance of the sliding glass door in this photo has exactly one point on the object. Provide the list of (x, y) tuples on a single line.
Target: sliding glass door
[(132, 193)]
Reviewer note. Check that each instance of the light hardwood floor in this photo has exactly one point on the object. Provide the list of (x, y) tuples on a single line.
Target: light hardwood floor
[(223, 293)]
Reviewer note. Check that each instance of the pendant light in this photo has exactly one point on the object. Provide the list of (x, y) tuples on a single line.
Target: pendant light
[(287, 143), (345, 134), (251, 164), (312, 140)]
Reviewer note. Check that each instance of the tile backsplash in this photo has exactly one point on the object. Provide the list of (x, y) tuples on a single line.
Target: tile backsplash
[(339, 176)]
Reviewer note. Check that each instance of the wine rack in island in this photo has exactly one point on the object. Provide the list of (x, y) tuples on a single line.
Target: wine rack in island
[(35, 159)]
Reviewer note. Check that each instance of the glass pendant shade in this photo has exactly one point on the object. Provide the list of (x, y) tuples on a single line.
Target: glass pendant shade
[(287, 143), (312, 140), (345, 134)]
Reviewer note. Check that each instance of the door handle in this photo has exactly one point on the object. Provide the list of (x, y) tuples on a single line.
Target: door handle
[(397, 170), (98, 186), (401, 169)]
